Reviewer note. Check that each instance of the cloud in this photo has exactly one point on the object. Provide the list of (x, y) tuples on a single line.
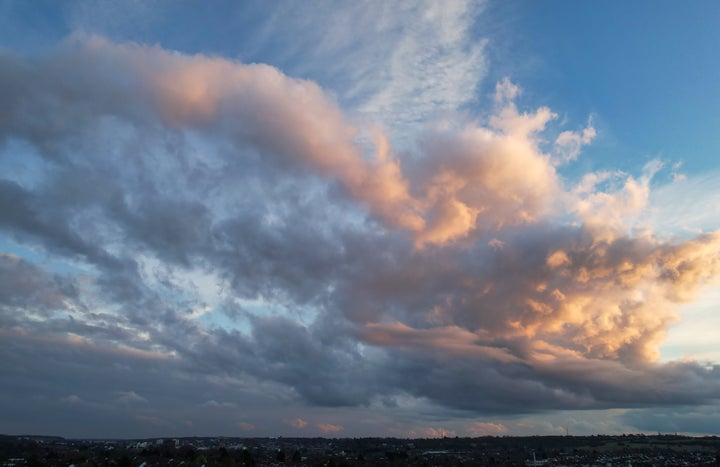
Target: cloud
[(72, 399), (569, 143), (506, 91), (298, 423), (476, 178), (30, 289), (246, 426), (398, 65), (129, 398), (329, 428), (430, 432), (434, 61), (244, 243), (415, 60), (485, 178), (690, 420), (672, 210), (487, 429)]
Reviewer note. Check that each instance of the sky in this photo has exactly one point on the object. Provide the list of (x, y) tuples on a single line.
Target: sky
[(359, 218)]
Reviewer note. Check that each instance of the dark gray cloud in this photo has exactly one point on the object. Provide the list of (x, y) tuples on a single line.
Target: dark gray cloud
[(25, 287), (691, 419)]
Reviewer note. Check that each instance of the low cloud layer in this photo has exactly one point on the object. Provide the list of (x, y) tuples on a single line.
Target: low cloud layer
[(193, 234)]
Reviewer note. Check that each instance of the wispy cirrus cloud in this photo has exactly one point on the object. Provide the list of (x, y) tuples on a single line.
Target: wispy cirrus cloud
[(396, 64)]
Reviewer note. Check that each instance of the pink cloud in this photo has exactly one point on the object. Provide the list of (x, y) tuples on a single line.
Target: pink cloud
[(329, 428), (298, 423), (451, 339), (487, 429), (245, 426), (475, 178)]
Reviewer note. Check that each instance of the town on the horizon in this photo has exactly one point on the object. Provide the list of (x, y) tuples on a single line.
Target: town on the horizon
[(597, 450)]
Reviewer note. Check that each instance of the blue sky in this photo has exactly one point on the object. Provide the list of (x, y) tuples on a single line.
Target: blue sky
[(643, 68), (359, 218)]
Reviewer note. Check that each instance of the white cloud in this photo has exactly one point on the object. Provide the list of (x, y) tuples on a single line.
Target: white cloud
[(396, 63), (128, 398), (569, 143), (688, 205)]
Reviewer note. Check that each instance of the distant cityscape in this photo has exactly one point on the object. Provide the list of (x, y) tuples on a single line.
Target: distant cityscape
[(600, 450)]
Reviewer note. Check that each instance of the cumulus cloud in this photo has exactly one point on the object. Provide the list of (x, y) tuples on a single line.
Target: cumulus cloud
[(569, 143), (236, 229)]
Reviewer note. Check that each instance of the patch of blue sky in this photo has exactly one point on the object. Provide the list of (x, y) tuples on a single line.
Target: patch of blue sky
[(218, 318), (37, 255), (31, 26), (647, 71), (689, 338), (204, 297), (21, 163)]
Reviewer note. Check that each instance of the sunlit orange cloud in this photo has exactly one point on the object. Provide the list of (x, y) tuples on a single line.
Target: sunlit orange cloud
[(598, 300), (454, 340), (482, 179), (487, 429), (608, 214), (616, 300)]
